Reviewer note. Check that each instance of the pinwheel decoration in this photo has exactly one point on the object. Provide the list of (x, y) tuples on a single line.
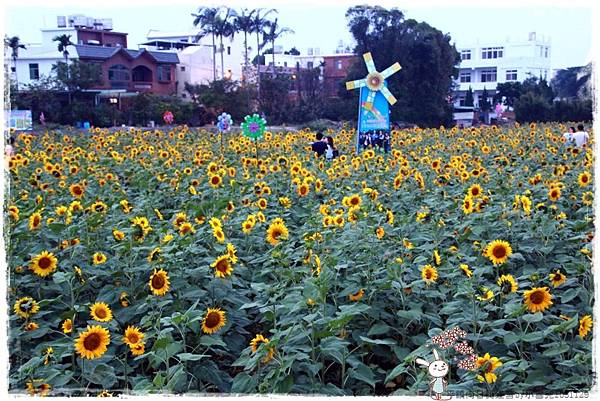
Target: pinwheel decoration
[(224, 122), (253, 126), (168, 117), (375, 82)]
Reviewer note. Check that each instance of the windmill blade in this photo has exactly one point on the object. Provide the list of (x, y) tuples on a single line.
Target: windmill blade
[(369, 62), (392, 69), (388, 95), (356, 84)]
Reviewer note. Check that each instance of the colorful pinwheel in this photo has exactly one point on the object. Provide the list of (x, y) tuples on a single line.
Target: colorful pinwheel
[(253, 126)]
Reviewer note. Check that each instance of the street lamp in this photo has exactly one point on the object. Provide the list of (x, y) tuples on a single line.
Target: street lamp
[(114, 101)]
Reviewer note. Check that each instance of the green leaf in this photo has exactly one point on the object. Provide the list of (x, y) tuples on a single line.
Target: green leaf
[(243, 383), (533, 318), (394, 373), (553, 351), (378, 329), (386, 341), (363, 373), (190, 357)]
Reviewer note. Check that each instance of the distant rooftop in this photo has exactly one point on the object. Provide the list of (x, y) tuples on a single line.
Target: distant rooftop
[(101, 52)]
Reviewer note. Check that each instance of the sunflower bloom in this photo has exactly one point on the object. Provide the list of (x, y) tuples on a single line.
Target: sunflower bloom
[(133, 336), (357, 296), (538, 299), (99, 258), (557, 278), (429, 274), (276, 232), (255, 344), (585, 325), (101, 312), (498, 252), (93, 342), (44, 264), (507, 283), (26, 307), (213, 321), (489, 364), (159, 282), (222, 266), (67, 326)]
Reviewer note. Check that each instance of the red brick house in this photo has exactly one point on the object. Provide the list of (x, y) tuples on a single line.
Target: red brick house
[(335, 71), (132, 70)]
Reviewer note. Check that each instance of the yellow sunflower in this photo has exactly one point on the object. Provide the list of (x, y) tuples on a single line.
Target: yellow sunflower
[(44, 264), (587, 198), (585, 325), (507, 283), (99, 258), (465, 269), (118, 235), (467, 206), (138, 349), (215, 181), (489, 364), (538, 299), (159, 282), (186, 228), (101, 312), (153, 256), (303, 189), (232, 252), (277, 231), (26, 307), (557, 278), (357, 296), (93, 342), (222, 266), (67, 326), (213, 321), (498, 251), (584, 179), (554, 194), (380, 232), (255, 344), (35, 221), (133, 336), (219, 234), (475, 190), (76, 190), (429, 274)]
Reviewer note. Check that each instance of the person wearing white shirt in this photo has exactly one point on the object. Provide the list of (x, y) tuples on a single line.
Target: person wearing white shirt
[(580, 137), (569, 135)]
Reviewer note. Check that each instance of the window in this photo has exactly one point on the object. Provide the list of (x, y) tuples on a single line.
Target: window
[(462, 101), (309, 64), (547, 50), (182, 68), (465, 54), (118, 72), (163, 72), (488, 75), (229, 50), (34, 71), (511, 75), (465, 77), (492, 52), (338, 65), (285, 63)]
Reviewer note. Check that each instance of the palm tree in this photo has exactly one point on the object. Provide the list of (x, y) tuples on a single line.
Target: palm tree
[(64, 41), (224, 28), (206, 18), (15, 44), (274, 31), (260, 23), (244, 22)]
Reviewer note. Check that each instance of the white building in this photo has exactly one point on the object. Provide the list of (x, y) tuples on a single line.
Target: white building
[(37, 59), (196, 56), (485, 65)]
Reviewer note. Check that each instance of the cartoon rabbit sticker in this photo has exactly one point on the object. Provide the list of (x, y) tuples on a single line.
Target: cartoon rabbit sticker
[(438, 369)]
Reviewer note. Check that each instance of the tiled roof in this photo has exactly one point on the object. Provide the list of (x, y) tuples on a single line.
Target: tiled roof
[(103, 53)]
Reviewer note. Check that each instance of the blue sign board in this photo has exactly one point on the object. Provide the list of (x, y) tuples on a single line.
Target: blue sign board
[(377, 117)]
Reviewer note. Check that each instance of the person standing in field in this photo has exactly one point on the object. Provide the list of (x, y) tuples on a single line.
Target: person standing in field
[(580, 137), (319, 146)]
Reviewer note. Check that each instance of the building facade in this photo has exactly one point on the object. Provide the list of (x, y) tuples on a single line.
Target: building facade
[(335, 71), (125, 70), (485, 65)]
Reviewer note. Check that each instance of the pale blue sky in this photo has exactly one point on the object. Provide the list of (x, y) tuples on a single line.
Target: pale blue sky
[(318, 25)]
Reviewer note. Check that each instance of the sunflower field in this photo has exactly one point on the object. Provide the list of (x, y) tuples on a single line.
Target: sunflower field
[(176, 261)]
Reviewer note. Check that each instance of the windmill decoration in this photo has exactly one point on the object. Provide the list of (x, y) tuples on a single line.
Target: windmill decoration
[(254, 127), (375, 98), (224, 123)]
